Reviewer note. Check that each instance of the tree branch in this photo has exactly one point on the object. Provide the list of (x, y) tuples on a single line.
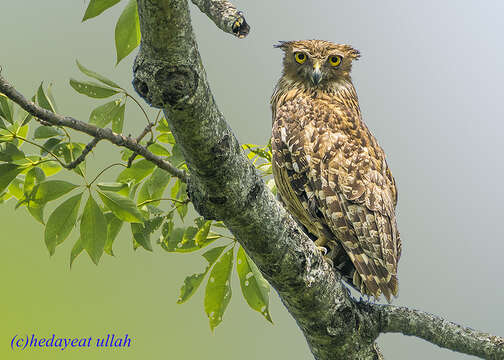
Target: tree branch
[(96, 132), (138, 139), (438, 331), (83, 155), (225, 16), (168, 74)]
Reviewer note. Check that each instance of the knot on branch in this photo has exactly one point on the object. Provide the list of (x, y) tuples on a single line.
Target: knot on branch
[(162, 84)]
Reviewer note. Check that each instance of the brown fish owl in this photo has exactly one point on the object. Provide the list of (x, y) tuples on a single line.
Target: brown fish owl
[(330, 172)]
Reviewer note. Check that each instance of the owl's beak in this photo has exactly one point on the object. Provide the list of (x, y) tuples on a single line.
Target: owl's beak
[(316, 74)]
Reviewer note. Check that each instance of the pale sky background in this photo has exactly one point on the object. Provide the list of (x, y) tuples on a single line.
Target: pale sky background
[(430, 88)]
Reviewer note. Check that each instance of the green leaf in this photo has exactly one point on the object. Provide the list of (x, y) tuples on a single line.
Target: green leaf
[(256, 150), (61, 222), (6, 109), (50, 190), (127, 31), (76, 250), (178, 191), (43, 100), (44, 132), (71, 151), (112, 186), (37, 211), (137, 171), (95, 75), (163, 126), (2, 124), (122, 207), (158, 182), (21, 131), (96, 7), (93, 230), (218, 290), (50, 97), (184, 240), (177, 158), (16, 189), (33, 176), (154, 187), (118, 119), (158, 149), (202, 234), (114, 225), (26, 119), (92, 89), (254, 287), (141, 236), (50, 168), (125, 154), (192, 282), (4, 197), (166, 138), (50, 144), (104, 114), (10, 152), (8, 172)]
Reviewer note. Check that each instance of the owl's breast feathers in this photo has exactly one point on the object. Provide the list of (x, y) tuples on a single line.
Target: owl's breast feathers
[(332, 176)]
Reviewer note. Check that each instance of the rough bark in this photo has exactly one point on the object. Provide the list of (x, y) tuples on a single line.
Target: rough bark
[(223, 185)]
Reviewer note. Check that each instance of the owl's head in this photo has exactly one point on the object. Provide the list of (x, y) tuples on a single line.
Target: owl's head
[(317, 62)]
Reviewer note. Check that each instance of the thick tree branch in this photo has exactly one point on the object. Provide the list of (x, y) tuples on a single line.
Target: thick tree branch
[(168, 74), (96, 132), (225, 16)]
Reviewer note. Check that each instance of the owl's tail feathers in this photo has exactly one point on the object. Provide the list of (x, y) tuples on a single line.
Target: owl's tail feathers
[(386, 280), (372, 279), (390, 288)]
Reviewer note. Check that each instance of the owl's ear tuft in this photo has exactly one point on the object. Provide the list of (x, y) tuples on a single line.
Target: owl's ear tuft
[(284, 45), (353, 53)]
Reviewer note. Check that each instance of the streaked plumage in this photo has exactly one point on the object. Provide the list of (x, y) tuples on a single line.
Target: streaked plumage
[(330, 171)]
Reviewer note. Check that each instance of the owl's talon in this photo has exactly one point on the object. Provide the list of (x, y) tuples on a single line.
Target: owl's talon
[(323, 250)]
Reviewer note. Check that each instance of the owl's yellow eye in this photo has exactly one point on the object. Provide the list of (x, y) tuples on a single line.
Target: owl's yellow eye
[(300, 57), (335, 60)]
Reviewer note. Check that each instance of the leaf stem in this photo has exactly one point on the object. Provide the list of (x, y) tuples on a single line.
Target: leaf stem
[(43, 148), (181, 202), (139, 105), (101, 172)]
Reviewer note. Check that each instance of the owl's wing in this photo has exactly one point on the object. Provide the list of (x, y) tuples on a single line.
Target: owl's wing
[(363, 177), (358, 176)]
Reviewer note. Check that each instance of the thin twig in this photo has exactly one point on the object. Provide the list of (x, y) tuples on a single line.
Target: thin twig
[(118, 139), (83, 155), (138, 139)]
